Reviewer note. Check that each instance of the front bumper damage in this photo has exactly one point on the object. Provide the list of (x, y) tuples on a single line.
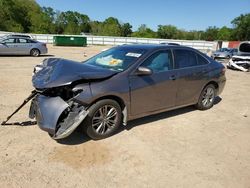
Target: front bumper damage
[(241, 63), (55, 116)]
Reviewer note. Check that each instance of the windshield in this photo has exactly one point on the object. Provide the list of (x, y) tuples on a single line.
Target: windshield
[(223, 50), (117, 59)]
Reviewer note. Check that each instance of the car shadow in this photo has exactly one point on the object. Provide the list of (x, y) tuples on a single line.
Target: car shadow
[(157, 117), (24, 123), (78, 137), (163, 115)]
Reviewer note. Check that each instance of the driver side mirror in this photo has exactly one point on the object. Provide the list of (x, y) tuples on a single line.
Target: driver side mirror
[(141, 71)]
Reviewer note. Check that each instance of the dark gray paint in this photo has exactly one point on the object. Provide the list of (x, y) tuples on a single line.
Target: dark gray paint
[(139, 95)]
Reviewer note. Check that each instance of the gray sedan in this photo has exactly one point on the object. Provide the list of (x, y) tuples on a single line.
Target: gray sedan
[(123, 83), (22, 46), (224, 53)]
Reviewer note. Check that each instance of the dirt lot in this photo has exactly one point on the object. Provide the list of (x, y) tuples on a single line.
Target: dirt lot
[(181, 148)]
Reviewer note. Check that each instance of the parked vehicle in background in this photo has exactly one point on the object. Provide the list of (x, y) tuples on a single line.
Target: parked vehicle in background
[(13, 45), (224, 53), (241, 61), (17, 35), (121, 84)]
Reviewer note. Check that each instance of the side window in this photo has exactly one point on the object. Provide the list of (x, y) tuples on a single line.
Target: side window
[(201, 60), (159, 61), (184, 58), (30, 41), (22, 40), (10, 40)]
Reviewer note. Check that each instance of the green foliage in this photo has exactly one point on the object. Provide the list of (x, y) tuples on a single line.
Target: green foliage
[(167, 32), (224, 33), (145, 32), (14, 16), (211, 33), (28, 16), (242, 27), (126, 30)]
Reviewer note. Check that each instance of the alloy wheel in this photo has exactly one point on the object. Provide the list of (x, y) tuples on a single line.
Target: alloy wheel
[(208, 97), (104, 119)]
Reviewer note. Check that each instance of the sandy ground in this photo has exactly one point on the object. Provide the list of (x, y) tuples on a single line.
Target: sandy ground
[(181, 148)]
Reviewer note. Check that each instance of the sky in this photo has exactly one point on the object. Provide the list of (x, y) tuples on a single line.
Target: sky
[(185, 14)]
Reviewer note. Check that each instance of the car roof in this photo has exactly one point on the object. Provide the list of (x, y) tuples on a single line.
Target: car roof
[(152, 46), (18, 35)]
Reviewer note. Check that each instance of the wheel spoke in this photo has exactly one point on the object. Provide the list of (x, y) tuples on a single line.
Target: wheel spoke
[(96, 123), (112, 112), (104, 119), (100, 126)]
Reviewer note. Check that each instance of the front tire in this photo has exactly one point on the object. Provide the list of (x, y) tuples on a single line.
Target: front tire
[(207, 97), (103, 119)]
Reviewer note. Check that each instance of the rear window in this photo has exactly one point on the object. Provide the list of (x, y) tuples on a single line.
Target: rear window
[(184, 58), (22, 40), (201, 60)]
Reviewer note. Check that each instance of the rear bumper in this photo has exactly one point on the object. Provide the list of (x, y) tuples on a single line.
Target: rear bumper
[(44, 50), (54, 116), (221, 87)]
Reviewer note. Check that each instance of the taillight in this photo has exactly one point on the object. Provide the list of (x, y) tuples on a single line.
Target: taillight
[(44, 44)]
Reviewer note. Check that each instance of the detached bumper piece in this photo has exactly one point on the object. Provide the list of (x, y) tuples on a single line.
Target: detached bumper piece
[(241, 63), (56, 116)]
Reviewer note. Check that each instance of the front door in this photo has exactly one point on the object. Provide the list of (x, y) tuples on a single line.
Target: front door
[(8, 46), (156, 91)]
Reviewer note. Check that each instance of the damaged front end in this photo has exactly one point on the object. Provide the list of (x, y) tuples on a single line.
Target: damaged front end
[(58, 83), (241, 61), (57, 115)]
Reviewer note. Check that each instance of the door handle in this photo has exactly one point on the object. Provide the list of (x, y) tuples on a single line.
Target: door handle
[(172, 77)]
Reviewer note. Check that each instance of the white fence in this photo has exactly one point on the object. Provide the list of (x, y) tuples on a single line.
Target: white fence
[(204, 46)]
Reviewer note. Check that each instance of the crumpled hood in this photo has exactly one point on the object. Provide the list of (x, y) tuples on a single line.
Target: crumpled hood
[(54, 72)]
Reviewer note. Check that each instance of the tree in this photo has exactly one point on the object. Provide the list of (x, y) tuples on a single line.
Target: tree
[(111, 27), (14, 16), (224, 33), (144, 31), (95, 27), (126, 30), (167, 32), (210, 34), (242, 27), (29, 16)]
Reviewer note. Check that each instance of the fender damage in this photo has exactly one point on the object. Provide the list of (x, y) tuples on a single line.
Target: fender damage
[(58, 83)]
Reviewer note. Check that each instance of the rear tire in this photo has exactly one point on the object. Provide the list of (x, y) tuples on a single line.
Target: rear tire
[(103, 120), (35, 52), (207, 97)]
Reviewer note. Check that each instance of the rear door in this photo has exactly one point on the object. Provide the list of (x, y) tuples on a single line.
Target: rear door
[(192, 75), (23, 46), (156, 91)]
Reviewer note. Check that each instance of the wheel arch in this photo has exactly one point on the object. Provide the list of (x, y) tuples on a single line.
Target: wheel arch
[(121, 103), (35, 49), (214, 83)]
